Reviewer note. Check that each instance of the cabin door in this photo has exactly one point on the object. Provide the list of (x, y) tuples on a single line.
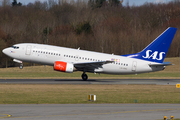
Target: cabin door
[(134, 66), (28, 49)]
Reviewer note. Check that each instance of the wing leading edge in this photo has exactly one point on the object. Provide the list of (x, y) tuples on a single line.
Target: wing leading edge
[(90, 66)]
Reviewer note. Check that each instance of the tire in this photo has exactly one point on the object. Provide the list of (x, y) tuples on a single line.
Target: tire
[(21, 67), (84, 77)]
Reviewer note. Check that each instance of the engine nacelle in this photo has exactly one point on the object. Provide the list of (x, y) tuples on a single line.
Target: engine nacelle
[(63, 66)]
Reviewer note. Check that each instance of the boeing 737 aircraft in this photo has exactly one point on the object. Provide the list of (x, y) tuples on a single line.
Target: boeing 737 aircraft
[(68, 60)]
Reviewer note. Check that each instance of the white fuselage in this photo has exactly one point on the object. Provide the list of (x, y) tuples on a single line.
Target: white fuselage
[(48, 54)]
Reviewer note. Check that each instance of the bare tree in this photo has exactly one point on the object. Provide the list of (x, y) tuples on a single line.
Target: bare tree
[(6, 3)]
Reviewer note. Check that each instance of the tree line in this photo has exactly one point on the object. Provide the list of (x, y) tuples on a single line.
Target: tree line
[(95, 25)]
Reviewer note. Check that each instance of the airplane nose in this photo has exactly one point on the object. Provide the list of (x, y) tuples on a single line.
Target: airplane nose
[(5, 51)]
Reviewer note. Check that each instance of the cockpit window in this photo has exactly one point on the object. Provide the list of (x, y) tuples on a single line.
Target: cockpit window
[(15, 47)]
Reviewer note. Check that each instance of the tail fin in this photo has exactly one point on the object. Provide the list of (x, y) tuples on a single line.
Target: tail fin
[(156, 50)]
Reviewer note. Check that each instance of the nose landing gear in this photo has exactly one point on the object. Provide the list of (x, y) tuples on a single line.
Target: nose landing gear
[(21, 66)]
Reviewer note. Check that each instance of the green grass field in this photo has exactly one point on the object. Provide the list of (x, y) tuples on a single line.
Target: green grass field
[(48, 72), (55, 94), (76, 94)]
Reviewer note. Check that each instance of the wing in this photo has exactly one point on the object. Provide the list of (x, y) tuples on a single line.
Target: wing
[(90, 66)]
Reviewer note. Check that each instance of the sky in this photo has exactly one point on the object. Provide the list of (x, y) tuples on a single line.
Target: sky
[(131, 2)]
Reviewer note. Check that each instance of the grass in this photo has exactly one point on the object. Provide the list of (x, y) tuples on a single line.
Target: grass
[(55, 94), (48, 72), (74, 94)]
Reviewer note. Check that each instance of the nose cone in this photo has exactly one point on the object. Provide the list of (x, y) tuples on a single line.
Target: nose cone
[(5, 51)]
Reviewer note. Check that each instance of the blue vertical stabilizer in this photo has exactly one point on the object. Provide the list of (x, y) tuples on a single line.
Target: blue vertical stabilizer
[(157, 50)]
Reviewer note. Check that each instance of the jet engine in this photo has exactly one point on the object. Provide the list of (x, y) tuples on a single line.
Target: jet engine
[(63, 66)]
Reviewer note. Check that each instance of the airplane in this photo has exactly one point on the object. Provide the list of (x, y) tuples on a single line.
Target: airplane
[(150, 59)]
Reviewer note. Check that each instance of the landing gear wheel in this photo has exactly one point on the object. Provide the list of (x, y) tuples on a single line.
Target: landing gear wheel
[(21, 66), (84, 77)]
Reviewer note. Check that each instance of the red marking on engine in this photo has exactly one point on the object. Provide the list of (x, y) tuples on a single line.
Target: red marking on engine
[(60, 66)]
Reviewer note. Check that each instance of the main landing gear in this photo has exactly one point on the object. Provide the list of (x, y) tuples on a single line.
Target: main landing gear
[(84, 76)]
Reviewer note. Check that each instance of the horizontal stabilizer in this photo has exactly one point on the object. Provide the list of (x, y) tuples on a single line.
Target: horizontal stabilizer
[(162, 64)]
